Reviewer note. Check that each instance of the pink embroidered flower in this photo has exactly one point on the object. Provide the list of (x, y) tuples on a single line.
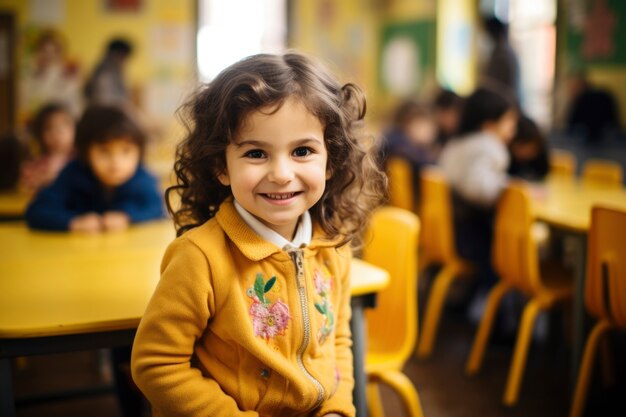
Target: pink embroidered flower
[(321, 285), (271, 321)]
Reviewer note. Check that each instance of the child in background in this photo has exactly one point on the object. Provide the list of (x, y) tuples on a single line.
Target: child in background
[(529, 152), (53, 129), (106, 187), (448, 106), (251, 315), (411, 137), (475, 164)]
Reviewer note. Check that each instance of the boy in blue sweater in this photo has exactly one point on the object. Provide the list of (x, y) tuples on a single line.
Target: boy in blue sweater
[(105, 187)]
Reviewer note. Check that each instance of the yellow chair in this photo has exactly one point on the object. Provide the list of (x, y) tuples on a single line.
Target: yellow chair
[(562, 163), (515, 259), (392, 326), (606, 257), (603, 172), (400, 175), (437, 247)]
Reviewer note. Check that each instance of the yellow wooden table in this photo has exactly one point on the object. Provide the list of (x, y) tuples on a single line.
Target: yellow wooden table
[(565, 203), (13, 204), (66, 292)]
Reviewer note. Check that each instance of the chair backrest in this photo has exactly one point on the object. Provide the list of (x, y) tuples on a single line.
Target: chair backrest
[(562, 163), (437, 231), (391, 244), (603, 172), (605, 283), (401, 193), (514, 253)]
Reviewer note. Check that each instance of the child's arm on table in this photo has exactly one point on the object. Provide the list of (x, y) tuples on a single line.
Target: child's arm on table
[(174, 320)]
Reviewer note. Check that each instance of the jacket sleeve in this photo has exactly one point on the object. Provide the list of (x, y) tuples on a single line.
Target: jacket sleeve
[(341, 402), (174, 321), (50, 209), (141, 200)]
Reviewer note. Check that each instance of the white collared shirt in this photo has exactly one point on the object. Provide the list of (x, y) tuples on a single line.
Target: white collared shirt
[(303, 235)]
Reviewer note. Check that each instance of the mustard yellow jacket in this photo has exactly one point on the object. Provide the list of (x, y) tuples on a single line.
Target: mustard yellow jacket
[(239, 327)]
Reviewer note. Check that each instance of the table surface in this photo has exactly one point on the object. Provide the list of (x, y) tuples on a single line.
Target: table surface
[(13, 203), (567, 203), (60, 283)]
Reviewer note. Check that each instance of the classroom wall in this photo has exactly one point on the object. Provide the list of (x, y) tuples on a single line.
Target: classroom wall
[(162, 32), (351, 35)]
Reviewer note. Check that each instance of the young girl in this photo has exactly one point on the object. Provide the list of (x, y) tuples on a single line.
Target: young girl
[(106, 186), (251, 316), (475, 164), (53, 130)]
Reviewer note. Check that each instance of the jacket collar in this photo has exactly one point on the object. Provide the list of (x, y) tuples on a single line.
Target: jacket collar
[(253, 246)]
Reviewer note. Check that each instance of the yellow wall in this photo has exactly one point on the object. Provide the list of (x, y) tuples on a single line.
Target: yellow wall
[(346, 34), (87, 27)]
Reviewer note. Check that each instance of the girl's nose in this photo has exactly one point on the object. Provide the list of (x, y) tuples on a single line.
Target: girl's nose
[(281, 171)]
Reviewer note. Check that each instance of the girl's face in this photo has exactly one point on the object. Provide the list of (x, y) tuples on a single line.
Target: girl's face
[(115, 161), (505, 127), (276, 165), (58, 134)]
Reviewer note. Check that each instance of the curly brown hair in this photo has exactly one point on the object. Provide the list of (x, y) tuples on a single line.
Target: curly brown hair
[(214, 114)]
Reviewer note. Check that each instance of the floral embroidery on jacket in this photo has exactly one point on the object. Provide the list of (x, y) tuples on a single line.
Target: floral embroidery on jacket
[(269, 319), (323, 288)]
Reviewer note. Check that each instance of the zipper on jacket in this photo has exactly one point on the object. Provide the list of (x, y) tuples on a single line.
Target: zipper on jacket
[(297, 256)]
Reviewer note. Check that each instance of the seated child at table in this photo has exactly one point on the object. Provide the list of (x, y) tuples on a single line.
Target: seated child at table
[(411, 137), (106, 187), (475, 164), (251, 315), (528, 151), (53, 130)]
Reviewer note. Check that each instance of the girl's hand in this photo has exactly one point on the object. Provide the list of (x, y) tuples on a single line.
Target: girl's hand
[(115, 221), (86, 223)]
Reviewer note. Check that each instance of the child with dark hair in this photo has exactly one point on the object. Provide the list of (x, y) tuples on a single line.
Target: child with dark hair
[(411, 137), (447, 108), (105, 187), (251, 315), (53, 129), (529, 152), (475, 164)]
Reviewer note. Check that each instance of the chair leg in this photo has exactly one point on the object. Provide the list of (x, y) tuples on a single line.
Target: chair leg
[(484, 329), (608, 363), (582, 384), (524, 336), (432, 315), (374, 401), (401, 384)]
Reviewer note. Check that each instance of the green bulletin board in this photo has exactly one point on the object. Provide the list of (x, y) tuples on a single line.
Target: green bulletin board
[(422, 34), (604, 24)]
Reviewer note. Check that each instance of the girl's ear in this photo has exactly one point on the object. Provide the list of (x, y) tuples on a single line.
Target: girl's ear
[(224, 178), (329, 174)]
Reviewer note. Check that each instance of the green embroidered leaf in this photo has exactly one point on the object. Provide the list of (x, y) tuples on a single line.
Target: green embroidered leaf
[(319, 308), (259, 287), (270, 283)]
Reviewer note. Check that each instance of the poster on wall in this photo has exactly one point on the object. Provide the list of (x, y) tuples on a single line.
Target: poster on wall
[(407, 57), (593, 37)]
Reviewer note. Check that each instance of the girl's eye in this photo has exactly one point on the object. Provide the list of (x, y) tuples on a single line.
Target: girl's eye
[(302, 151), (255, 153)]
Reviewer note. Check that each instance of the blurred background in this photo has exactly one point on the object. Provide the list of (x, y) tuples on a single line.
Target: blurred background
[(393, 48)]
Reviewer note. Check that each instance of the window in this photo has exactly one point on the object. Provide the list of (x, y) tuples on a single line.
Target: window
[(231, 30)]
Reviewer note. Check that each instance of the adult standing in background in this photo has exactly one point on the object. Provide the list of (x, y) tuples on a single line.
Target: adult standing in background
[(106, 85), (502, 66)]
